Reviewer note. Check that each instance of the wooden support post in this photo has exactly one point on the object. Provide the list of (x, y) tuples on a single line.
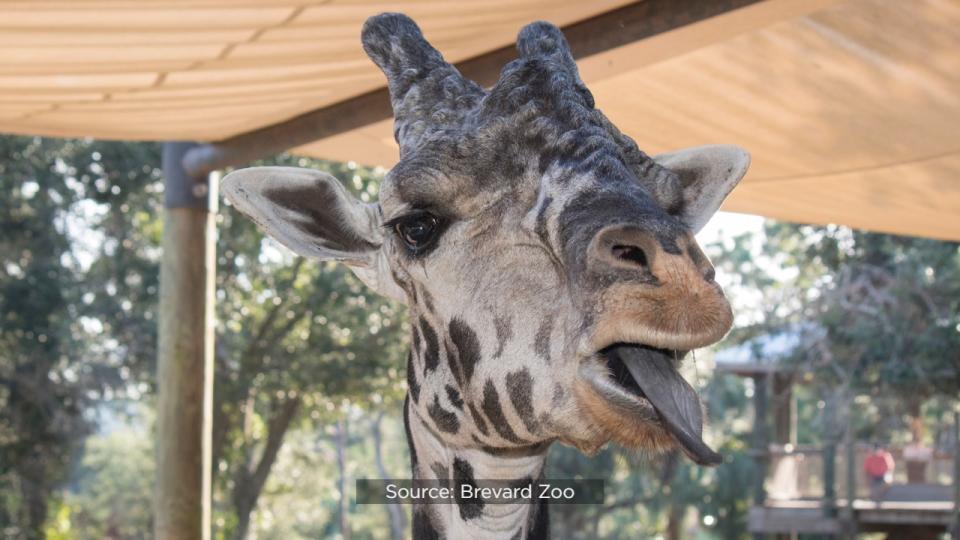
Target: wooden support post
[(850, 442), (784, 410), (185, 359), (830, 460), (784, 420), (761, 441)]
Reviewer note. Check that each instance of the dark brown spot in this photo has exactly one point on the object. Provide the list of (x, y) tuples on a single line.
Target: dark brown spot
[(445, 420), (431, 353), (423, 529), (416, 341), (520, 388), (406, 429), (412, 385), (478, 420), (454, 397), (453, 362), (427, 301), (540, 528), (463, 475), (541, 344), (492, 408), (468, 347)]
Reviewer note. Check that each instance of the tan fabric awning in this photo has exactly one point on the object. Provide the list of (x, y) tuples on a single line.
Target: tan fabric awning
[(850, 108), (208, 69)]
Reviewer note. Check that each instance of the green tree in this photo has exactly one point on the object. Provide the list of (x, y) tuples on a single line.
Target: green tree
[(109, 495), (80, 229), (42, 385), (75, 320), (878, 313), (294, 336), (877, 316)]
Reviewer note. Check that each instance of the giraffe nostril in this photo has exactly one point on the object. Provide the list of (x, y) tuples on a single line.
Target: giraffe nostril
[(625, 248), (710, 274), (632, 254)]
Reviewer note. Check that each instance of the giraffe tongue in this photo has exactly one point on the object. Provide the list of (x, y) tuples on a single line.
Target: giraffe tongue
[(672, 396)]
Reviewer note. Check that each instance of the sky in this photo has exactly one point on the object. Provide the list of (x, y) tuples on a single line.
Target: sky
[(747, 303), (728, 224)]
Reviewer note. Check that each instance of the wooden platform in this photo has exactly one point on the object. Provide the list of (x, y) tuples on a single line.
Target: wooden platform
[(809, 516)]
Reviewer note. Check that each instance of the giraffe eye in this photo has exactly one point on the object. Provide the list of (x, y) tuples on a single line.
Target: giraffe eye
[(418, 231)]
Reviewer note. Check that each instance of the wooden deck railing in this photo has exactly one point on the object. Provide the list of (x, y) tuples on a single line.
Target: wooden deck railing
[(797, 472)]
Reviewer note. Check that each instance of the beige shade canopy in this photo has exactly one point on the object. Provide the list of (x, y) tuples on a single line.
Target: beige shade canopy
[(851, 109)]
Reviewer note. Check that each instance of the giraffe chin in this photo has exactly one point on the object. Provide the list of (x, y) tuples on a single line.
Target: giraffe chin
[(640, 401)]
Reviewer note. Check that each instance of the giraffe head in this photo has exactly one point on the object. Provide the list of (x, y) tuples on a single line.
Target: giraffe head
[(549, 265)]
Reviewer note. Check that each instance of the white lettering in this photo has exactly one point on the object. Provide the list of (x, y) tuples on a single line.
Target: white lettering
[(419, 493), (549, 492)]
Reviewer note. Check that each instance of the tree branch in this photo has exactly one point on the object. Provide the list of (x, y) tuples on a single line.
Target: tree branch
[(267, 323), (277, 428)]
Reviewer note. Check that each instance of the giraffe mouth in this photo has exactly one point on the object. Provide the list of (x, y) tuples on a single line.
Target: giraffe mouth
[(646, 400)]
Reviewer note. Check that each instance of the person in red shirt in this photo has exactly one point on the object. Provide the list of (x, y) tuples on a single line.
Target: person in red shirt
[(879, 468)]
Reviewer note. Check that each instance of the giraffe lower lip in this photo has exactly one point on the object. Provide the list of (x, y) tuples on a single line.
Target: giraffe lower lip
[(651, 374)]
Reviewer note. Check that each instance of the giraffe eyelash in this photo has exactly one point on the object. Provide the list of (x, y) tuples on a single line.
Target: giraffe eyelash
[(393, 222), (427, 225)]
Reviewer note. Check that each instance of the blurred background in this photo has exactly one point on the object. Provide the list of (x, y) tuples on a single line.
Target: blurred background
[(837, 327)]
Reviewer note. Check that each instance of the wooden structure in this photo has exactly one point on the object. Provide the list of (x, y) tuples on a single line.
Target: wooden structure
[(185, 355), (849, 107), (817, 490)]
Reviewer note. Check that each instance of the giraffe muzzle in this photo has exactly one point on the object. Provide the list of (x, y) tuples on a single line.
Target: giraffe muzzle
[(655, 296)]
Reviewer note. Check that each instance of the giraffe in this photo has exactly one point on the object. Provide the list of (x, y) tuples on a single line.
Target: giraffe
[(549, 267)]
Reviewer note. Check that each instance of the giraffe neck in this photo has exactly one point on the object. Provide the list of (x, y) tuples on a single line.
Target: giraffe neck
[(432, 459)]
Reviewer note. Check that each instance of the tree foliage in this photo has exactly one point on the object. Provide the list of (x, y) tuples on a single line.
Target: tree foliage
[(296, 341), (49, 369), (877, 312), (293, 336)]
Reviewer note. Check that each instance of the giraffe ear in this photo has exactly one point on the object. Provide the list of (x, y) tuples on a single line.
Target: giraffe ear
[(707, 175), (311, 213)]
